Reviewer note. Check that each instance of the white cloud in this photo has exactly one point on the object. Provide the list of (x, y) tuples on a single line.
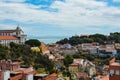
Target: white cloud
[(12, 1), (6, 26), (72, 13), (116, 0), (87, 13)]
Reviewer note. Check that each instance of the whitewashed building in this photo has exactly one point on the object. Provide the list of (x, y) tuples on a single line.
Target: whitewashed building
[(29, 77), (15, 35)]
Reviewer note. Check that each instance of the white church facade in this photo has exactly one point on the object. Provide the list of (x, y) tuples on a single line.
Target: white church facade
[(15, 35)]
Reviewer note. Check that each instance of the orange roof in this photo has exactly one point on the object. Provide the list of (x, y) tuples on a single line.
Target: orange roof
[(28, 70), (16, 62), (84, 75), (103, 77), (8, 38), (51, 77)]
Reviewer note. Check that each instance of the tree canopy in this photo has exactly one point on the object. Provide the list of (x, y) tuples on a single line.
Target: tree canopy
[(68, 60), (24, 54), (100, 38), (63, 41), (33, 42)]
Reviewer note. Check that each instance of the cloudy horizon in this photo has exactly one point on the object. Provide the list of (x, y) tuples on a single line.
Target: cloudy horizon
[(61, 17)]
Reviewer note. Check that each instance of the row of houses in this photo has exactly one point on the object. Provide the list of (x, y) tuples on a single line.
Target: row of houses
[(98, 49), (12, 70), (92, 48), (113, 71), (82, 69), (80, 65)]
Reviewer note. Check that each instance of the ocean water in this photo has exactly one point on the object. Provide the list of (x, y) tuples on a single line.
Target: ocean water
[(52, 40), (48, 39)]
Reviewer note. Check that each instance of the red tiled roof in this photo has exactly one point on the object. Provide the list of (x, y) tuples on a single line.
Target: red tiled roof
[(103, 77), (8, 38), (28, 70), (51, 77), (16, 63), (84, 75)]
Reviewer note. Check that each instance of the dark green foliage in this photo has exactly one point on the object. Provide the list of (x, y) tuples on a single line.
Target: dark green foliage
[(68, 60), (118, 56), (77, 56), (12, 44), (94, 58), (115, 37), (63, 41), (68, 74), (100, 38), (44, 62), (24, 54), (4, 52), (74, 40), (33, 42), (85, 56)]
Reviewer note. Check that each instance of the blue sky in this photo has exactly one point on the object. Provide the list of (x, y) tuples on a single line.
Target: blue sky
[(61, 17)]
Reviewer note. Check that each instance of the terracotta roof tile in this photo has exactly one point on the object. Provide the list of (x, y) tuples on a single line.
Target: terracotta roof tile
[(84, 75), (103, 77), (28, 70), (8, 38), (51, 77)]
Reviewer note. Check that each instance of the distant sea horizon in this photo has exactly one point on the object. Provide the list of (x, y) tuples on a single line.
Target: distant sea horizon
[(47, 39)]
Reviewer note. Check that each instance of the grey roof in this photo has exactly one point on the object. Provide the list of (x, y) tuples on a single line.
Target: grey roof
[(7, 31)]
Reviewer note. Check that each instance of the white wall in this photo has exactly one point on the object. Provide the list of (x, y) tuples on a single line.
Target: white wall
[(6, 75), (29, 77)]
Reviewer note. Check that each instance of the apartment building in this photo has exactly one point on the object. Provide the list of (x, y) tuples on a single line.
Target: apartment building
[(114, 70), (11, 70)]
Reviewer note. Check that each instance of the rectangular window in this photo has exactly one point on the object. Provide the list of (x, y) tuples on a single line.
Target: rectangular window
[(111, 71), (117, 72)]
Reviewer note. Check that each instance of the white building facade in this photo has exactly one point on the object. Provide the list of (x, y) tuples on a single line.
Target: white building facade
[(8, 36)]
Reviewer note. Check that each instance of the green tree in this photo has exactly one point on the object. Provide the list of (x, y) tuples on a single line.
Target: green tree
[(33, 42), (74, 40), (68, 60), (114, 37), (63, 41), (76, 56), (100, 38)]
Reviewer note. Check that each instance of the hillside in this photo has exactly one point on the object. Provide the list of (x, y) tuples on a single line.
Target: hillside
[(100, 38), (24, 54)]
